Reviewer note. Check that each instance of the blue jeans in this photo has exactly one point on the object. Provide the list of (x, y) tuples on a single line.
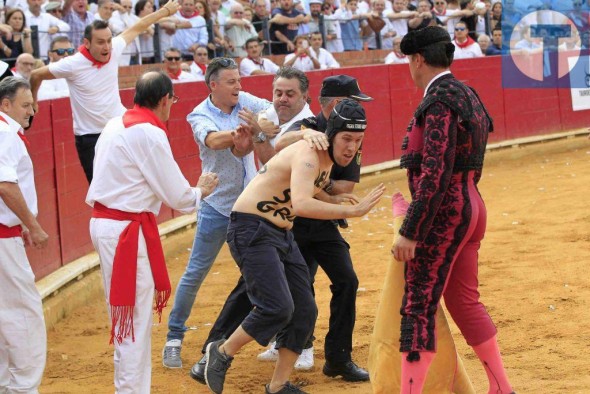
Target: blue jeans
[(209, 238)]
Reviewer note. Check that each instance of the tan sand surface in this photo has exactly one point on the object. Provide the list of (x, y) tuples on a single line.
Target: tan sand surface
[(534, 266)]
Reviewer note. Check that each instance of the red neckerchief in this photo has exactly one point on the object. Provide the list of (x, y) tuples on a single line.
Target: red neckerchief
[(466, 43), (84, 51), (138, 115), (13, 69), (261, 64), (398, 56), (203, 67), (437, 13), (175, 76), (124, 276), (19, 133), (195, 13)]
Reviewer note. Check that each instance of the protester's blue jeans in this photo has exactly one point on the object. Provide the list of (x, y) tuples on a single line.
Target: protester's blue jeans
[(209, 238)]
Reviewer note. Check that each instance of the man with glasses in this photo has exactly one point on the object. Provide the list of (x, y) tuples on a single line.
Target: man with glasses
[(61, 47), (135, 172), (465, 46), (238, 30), (47, 24), (172, 61), (24, 66), (93, 79), (198, 67), (193, 32), (216, 124)]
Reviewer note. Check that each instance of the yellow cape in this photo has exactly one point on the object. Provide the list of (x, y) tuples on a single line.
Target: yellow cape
[(446, 374)]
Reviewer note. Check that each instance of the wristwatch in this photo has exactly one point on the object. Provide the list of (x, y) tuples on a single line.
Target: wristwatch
[(259, 138)]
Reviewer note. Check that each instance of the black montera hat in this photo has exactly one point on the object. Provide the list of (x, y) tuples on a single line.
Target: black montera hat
[(343, 86), (348, 115), (417, 40)]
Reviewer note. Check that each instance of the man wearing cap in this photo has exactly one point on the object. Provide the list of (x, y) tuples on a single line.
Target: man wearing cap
[(92, 76), (263, 245), (22, 327), (47, 24), (443, 152)]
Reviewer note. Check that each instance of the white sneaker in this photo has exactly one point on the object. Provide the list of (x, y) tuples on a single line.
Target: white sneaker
[(305, 360), (270, 354)]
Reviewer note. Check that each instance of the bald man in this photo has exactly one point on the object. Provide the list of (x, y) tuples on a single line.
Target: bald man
[(24, 66)]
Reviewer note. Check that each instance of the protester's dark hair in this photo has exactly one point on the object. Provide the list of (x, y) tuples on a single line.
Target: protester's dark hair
[(293, 73), (215, 67), (96, 25), (151, 87), (58, 39), (9, 87)]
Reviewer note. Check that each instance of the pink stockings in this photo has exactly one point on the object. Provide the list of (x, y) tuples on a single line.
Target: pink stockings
[(414, 372)]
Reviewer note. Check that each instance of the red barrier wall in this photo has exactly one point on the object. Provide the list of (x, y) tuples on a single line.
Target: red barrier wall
[(62, 187)]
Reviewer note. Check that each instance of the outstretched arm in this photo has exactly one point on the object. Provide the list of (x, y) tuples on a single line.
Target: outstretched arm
[(38, 76), (144, 23)]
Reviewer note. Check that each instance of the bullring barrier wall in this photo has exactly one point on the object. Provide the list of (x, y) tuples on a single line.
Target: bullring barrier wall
[(62, 187)]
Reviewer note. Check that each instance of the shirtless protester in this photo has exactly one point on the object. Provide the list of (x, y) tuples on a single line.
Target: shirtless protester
[(261, 242)]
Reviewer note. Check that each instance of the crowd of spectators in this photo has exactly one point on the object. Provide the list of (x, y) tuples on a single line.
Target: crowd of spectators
[(308, 32)]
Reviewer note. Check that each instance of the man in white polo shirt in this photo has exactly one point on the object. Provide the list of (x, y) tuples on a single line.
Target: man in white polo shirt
[(255, 64), (172, 61), (93, 78), (23, 342), (47, 24), (135, 173)]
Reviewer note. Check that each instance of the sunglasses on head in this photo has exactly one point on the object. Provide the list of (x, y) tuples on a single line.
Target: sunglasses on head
[(439, 2), (63, 51), (173, 58), (223, 62), (459, 29)]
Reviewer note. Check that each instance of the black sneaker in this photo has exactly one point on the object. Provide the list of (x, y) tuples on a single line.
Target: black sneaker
[(288, 388), (197, 372), (216, 367), (348, 370)]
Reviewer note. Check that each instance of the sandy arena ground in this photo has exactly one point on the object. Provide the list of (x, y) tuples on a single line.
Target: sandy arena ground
[(532, 274)]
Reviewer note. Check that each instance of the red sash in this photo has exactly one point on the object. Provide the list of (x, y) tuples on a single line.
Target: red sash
[(123, 280), (10, 232), (20, 135)]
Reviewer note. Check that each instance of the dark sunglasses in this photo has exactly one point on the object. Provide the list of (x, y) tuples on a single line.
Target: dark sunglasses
[(63, 51), (459, 29), (439, 2), (173, 58)]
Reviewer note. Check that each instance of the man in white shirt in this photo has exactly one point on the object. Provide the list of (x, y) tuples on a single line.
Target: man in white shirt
[(254, 63), (23, 341), (399, 17), (396, 56), (105, 13), (125, 18), (324, 57), (93, 78), (61, 47), (303, 58), (172, 60), (135, 172), (24, 66), (194, 29), (238, 30), (47, 24), (465, 46), (198, 67), (386, 34)]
